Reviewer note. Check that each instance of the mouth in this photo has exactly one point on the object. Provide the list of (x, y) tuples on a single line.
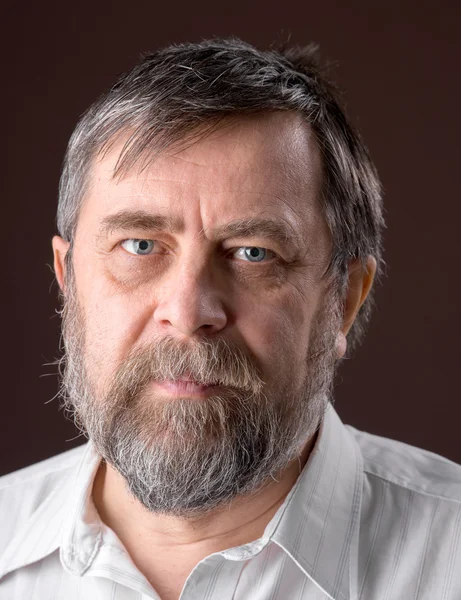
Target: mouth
[(185, 387)]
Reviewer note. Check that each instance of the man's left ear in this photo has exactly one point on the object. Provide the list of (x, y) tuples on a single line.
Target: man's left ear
[(360, 280)]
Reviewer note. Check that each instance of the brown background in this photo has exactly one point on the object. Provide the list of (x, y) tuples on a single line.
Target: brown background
[(400, 65)]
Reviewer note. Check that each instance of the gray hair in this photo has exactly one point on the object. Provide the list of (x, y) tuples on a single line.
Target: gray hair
[(183, 92)]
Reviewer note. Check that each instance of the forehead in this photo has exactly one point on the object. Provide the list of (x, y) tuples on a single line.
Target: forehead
[(248, 166)]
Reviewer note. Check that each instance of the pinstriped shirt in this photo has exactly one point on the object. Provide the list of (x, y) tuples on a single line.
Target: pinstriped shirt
[(369, 518)]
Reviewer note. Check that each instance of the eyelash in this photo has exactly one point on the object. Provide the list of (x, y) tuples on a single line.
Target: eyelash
[(276, 257)]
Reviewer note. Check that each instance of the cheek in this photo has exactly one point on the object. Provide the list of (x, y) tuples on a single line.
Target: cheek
[(277, 329), (271, 319), (113, 322)]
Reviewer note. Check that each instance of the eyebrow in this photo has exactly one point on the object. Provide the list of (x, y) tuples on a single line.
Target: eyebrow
[(126, 220)]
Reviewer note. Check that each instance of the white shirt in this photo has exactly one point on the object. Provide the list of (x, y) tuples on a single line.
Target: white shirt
[(369, 518)]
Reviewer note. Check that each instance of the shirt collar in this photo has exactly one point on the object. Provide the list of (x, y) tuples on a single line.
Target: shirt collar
[(317, 525), (42, 532), (319, 522)]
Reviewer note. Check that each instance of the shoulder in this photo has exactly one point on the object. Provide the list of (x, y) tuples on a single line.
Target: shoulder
[(408, 466), (410, 520), (40, 474), (24, 492)]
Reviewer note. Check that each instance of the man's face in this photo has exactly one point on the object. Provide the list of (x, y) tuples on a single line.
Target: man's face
[(147, 304)]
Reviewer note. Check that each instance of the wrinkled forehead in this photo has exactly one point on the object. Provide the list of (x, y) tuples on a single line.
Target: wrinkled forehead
[(279, 140), (270, 161)]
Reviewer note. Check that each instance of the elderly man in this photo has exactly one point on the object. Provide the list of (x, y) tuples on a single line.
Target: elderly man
[(220, 230)]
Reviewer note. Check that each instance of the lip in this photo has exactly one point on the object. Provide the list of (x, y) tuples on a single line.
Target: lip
[(185, 388)]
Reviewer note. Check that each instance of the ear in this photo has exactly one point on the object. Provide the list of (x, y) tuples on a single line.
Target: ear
[(360, 280), (60, 248)]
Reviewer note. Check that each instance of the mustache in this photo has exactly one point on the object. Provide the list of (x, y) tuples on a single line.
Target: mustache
[(207, 362)]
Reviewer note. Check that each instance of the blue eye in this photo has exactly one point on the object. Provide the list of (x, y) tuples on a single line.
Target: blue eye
[(138, 247), (253, 253)]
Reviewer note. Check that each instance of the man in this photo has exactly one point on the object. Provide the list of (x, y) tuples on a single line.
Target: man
[(220, 230)]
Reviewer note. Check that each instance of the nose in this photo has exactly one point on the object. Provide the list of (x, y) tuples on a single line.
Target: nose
[(191, 301)]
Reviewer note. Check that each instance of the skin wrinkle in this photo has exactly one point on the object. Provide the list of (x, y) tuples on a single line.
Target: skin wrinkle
[(300, 135), (268, 334), (139, 115), (276, 197), (143, 184), (124, 221), (240, 276)]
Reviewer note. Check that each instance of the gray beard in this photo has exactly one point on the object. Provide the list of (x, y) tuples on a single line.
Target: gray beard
[(187, 457)]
